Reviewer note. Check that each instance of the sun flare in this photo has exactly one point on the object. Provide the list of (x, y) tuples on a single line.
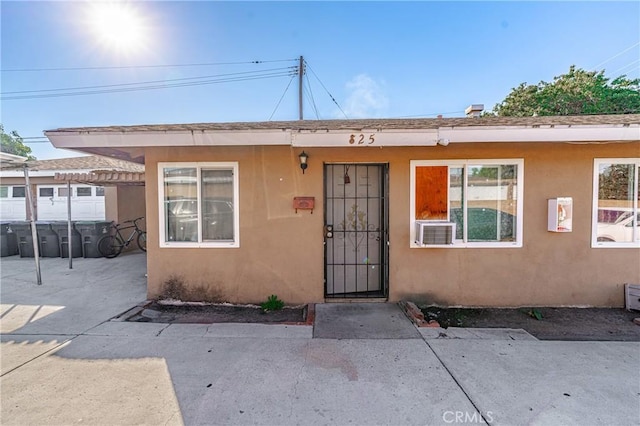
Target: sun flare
[(118, 25)]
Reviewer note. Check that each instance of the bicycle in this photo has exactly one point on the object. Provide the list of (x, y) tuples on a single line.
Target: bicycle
[(111, 245)]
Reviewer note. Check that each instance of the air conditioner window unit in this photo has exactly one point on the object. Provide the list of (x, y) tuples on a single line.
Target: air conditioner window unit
[(430, 233)]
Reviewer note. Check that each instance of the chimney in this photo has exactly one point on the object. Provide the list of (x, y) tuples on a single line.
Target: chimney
[(474, 110)]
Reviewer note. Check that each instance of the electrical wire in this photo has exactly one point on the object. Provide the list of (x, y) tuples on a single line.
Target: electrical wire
[(143, 66), (626, 66), (152, 87), (616, 55), (144, 82), (282, 97), (323, 86), (310, 99)]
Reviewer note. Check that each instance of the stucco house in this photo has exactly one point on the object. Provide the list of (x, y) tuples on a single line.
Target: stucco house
[(97, 184), (470, 211)]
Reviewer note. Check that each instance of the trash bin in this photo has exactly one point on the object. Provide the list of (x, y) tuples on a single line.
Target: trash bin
[(24, 238), (61, 228), (8, 240), (91, 232), (48, 240)]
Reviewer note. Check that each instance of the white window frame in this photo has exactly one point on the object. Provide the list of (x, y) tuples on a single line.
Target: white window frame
[(236, 205), (519, 162), (594, 215)]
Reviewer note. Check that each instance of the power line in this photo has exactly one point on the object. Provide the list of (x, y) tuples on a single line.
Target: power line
[(257, 73), (282, 97), (616, 55), (140, 83), (143, 66), (312, 102), (152, 87), (626, 66), (323, 86)]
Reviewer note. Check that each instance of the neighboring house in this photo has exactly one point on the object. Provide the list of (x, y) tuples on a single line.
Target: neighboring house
[(482, 211), (90, 198)]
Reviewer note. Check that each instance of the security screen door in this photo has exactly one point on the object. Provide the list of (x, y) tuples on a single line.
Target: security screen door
[(355, 234)]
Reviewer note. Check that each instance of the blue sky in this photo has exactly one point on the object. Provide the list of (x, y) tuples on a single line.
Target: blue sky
[(376, 59)]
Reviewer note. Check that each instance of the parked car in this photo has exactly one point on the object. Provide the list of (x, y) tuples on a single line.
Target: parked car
[(621, 230), (182, 219)]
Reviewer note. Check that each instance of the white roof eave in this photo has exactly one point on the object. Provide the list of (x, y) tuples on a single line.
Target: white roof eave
[(342, 137)]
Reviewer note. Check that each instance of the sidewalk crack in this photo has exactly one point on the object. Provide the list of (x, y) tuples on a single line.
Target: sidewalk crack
[(162, 329)]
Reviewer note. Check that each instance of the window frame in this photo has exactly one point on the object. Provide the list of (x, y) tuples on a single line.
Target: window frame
[(595, 199), (465, 164), (13, 191), (199, 166), (80, 193), (46, 188)]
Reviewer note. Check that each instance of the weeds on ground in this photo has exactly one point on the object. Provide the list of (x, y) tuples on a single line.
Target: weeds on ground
[(450, 317), (534, 313), (272, 304), (446, 317)]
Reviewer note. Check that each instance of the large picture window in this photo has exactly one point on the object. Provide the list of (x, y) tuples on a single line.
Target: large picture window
[(483, 198), (616, 199), (198, 204)]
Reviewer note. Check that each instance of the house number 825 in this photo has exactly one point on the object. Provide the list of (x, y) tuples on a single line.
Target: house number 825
[(360, 139)]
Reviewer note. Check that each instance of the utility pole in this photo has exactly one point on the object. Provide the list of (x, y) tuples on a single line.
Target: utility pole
[(300, 74), (32, 217)]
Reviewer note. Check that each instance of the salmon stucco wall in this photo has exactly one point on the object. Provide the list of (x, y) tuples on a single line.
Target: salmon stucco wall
[(281, 251)]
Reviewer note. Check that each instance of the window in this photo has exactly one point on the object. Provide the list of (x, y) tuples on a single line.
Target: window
[(483, 198), (18, 192), (83, 192), (45, 192), (4, 191), (198, 204), (62, 192), (99, 191), (616, 200)]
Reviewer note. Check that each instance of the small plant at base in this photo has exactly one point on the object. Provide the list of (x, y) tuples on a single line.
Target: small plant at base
[(272, 304), (535, 313)]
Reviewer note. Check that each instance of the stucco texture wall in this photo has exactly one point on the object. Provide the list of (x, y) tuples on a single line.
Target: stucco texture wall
[(281, 252)]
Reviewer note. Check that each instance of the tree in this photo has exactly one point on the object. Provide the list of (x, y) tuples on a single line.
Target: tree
[(12, 143), (575, 93)]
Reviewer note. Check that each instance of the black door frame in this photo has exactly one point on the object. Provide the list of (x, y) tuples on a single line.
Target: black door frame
[(384, 232)]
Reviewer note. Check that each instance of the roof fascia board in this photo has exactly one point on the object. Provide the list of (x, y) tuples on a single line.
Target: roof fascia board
[(540, 134), (157, 138), (343, 138), (40, 173)]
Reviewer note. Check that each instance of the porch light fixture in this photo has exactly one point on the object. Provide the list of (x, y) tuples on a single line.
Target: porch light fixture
[(303, 161)]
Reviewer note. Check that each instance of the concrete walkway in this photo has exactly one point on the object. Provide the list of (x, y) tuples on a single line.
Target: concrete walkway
[(64, 361)]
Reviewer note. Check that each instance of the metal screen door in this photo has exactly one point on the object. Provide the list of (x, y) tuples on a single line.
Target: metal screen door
[(355, 234)]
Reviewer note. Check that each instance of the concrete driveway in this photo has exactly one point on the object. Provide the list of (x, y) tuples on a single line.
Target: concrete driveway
[(65, 361)]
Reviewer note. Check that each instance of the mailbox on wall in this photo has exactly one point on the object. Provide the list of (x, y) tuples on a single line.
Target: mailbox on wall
[(560, 214)]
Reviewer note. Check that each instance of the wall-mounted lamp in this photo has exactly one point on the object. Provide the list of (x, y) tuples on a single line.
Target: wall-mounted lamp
[(303, 161), (443, 142)]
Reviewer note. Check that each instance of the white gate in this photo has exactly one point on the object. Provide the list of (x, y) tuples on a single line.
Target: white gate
[(87, 202), (13, 204)]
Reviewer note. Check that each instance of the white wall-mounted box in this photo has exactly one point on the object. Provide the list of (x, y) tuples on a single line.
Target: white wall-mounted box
[(560, 214)]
